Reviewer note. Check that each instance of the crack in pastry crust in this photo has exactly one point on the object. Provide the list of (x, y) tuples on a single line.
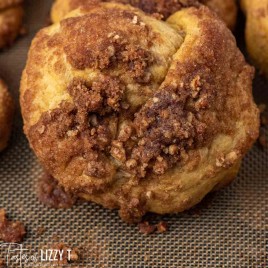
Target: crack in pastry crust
[(148, 116)]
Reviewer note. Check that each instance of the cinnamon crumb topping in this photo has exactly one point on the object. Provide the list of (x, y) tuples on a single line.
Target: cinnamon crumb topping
[(51, 194), (146, 228), (161, 227), (10, 231)]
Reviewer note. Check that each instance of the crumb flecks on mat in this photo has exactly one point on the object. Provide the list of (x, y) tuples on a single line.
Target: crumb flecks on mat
[(147, 228)]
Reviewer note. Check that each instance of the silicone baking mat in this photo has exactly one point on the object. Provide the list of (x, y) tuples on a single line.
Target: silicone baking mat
[(228, 229)]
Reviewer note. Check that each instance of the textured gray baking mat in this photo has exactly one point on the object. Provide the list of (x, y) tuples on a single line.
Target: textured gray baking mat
[(229, 229)]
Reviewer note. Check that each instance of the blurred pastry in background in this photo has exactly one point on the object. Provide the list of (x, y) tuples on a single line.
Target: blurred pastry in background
[(137, 113), (6, 115), (256, 12), (11, 16), (227, 9)]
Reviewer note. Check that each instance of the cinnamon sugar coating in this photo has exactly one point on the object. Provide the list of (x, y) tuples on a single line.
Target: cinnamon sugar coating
[(137, 113), (226, 10)]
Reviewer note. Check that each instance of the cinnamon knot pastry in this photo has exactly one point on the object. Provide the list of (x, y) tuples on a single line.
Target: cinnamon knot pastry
[(136, 113), (6, 115), (227, 9), (11, 15), (256, 12)]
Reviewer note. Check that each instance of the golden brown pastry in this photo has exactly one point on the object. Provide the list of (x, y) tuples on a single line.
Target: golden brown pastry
[(6, 115), (256, 12), (137, 113), (11, 15), (227, 9)]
